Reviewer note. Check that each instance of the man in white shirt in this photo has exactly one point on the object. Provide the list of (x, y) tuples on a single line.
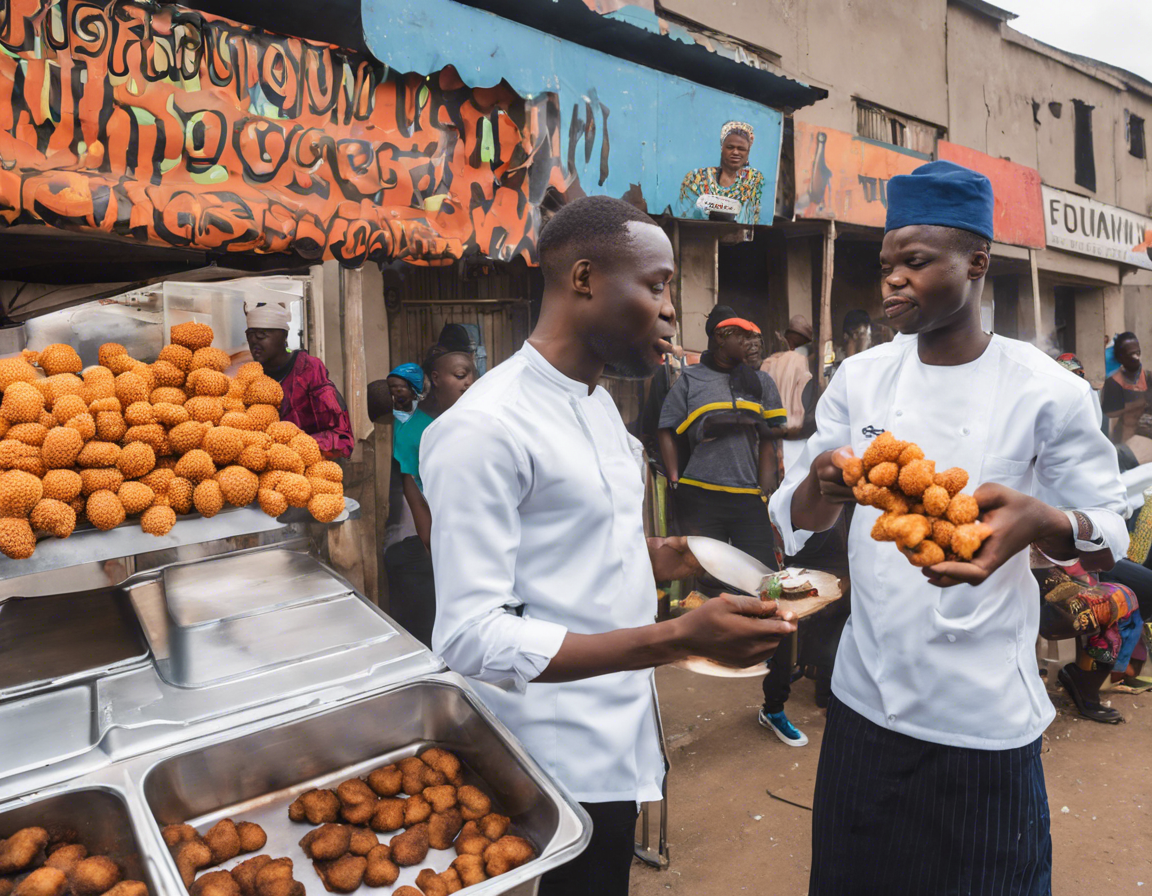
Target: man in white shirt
[(545, 585), (930, 778)]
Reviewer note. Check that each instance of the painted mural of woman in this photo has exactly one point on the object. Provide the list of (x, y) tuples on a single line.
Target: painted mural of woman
[(732, 179)]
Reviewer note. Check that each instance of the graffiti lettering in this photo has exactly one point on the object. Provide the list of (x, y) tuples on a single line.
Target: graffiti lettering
[(875, 189)]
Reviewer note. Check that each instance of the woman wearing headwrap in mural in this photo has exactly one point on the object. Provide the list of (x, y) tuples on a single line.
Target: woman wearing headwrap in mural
[(732, 179), (310, 399)]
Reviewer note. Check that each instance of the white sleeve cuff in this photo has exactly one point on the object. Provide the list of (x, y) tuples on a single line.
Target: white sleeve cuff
[(514, 650)]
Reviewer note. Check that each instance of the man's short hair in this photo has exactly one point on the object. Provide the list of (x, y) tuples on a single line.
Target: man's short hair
[(966, 242), (593, 227), (1123, 337)]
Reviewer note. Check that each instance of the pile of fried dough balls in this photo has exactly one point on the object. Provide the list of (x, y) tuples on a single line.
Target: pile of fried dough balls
[(125, 438), (424, 798), (224, 841), (55, 863), (924, 512)]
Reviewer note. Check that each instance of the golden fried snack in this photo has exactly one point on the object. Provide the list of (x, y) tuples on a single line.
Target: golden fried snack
[(249, 371), (110, 426), (261, 416), (168, 395), (63, 384), (93, 876), (54, 517), (16, 539), (890, 501), (62, 485), (416, 810), (238, 485), (443, 828), (264, 390), (130, 388), (13, 452), (22, 403), (962, 509), (191, 334), (175, 834), (245, 873), (507, 853), (411, 847), (406, 891), (232, 405), (254, 458), (121, 364), (43, 882), (168, 414), (67, 857), (470, 868), (19, 493), (928, 553), (910, 529), (884, 448), (910, 453), (207, 498), (298, 492), (68, 406), (935, 500), (386, 780), (471, 843), (136, 497), (307, 448), (144, 371), (178, 356), (179, 494), (389, 815), (151, 434), (129, 888), (252, 836), (357, 799), (236, 420), (474, 803), (272, 502), (881, 529), (60, 358), (324, 487), (327, 842), (281, 457), (139, 413), (282, 431), (167, 374), (21, 849), (343, 875), (865, 493), (31, 434), (315, 806), (431, 884), (884, 474), (205, 408), (380, 870), (15, 370), (325, 508), (942, 532), (206, 381), (98, 455), (916, 477), (104, 510), (209, 358), (494, 826), (223, 840), (327, 469), (215, 883), (968, 538), (275, 879), (442, 797), (195, 466), (85, 424), (136, 459), (362, 841), (187, 436)]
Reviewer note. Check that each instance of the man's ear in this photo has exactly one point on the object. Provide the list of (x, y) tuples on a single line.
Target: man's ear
[(978, 264), (582, 278)]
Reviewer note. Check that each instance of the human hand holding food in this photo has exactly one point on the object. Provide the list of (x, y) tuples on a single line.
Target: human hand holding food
[(672, 559), (737, 630), (833, 470)]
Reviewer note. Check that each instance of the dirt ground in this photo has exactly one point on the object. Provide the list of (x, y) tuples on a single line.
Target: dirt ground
[(727, 835)]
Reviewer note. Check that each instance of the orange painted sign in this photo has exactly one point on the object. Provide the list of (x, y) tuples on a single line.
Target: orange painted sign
[(845, 178), (173, 127), (1018, 217)]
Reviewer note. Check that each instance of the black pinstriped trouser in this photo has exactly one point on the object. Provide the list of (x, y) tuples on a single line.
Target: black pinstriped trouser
[(894, 815)]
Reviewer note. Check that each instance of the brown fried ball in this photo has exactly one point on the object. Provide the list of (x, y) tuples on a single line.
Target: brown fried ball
[(271, 478), (927, 554), (176, 355), (206, 381), (470, 868), (232, 405), (61, 448), (139, 413), (211, 359), (110, 426), (13, 452), (406, 891), (296, 491), (281, 457), (935, 500), (151, 434), (21, 849), (443, 828), (252, 836), (881, 530), (168, 395), (494, 826), (109, 350), (343, 875), (130, 388), (175, 834), (327, 842), (60, 358), (953, 480), (99, 390), (968, 538), (389, 815), (910, 529), (54, 517), (19, 493), (85, 424), (196, 466), (248, 371), (223, 840), (262, 416), (942, 532), (416, 810), (254, 458), (264, 390), (865, 492), (170, 415), (237, 420), (215, 883), (381, 871), (324, 487), (325, 508), (207, 498), (33, 465), (507, 853), (962, 510), (452, 879), (884, 448), (245, 873), (326, 469), (63, 384), (909, 454), (317, 806), (260, 439), (386, 780), (205, 408), (129, 888), (98, 455), (121, 364), (223, 444), (275, 879), (474, 803), (43, 882), (283, 431), (104, 510), (430, 883), (916, 477), (307, 448), (884, 474), (105, 404), (442, 797), (362, 841), (93, 876), (471, 842), (188, 436), (159, 480), (67, 857), (29, 433), (238, 485), (22, 403), (411, 847), (411, 768), (68, 406), (272, 502), (357, 799), (16, 370), (167, 374), (136, 459), (192, 335)]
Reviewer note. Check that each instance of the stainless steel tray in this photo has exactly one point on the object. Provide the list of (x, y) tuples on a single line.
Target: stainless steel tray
[(255, 776)]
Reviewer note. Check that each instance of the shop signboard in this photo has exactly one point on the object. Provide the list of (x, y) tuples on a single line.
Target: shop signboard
[(1078, 224), (1017, 216)]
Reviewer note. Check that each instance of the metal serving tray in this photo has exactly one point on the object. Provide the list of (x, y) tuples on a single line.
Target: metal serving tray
[(254, 777)]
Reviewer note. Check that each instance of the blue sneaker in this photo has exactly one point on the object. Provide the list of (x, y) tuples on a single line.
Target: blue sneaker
[(778, 724)]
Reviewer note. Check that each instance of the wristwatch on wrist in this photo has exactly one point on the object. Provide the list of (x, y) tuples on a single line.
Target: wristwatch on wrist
[(1084, 534)]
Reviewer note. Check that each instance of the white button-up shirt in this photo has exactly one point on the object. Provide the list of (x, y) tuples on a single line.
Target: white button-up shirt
[(957, 665), (536, 492)]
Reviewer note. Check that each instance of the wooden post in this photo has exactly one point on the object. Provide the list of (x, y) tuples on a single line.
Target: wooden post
[(826, 270), (1037, 331)]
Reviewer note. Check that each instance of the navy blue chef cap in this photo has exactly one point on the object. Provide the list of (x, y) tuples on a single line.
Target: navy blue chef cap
[(943, 194)]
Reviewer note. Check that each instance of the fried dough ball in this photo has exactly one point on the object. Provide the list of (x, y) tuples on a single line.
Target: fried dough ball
[(381, 871), (139, 413), (237, 420), (119, 364), (188, 436), (223, 840), (262, 416), (67, 857), (452, 879), (223, 444), (916, 477), (129, 888), (507, 853), (343, 875), (327, 469), (865, 492), (191, 335), (196, 466), (327, 842), (884, 474), (178, 356), (167, 374), (853, 470), (910, 529), (249, 371), (108, 351), (61, 448), (12, 451), (283, 431), (99, 386), (494, 826), (935, 500), (315, 806), (168, 395), (297, 492), (151, 434), (110, 426), (21, 849), (29, 433), (54, 517), (275, 879), (325, 508), (207, 498), (209, 358), (136, 459), (60, 358), (962, 509), (306, 448), (206, 381), (22, 403), (411, 768), (131, 387), (264, 390), (884, 448), (357, 799), (245, 873), (416, 810), (928, 553), (93, 876), (968, 538), (159, 520), (85, 424), (942, 533), (442, 797), (170, 414), (15, 370), (232, 405), (909, 454), (362, 841), (239, 486), (272, 502), (443, 828), (953, 479), (19, 493), (386, 780), (271, 478), (175, 834), (406, 891), (474, 803), (471, 841), (470, 868), (62, 485), (253, 458), (144, 371), (389, 815), (101, 479), (64, 384), (97, 455), (104, 510), (67, 407), (33, 465), (205, 408), (215, 883), (411, 847), (324, 487), (43, 882), (252, 836), (105, 404), (281, 457), (159, 480), (431, 884)]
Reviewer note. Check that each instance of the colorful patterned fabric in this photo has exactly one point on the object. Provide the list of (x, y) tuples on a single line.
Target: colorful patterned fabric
[(1101, 612), (313, 404), (731, 126), (748, 189)]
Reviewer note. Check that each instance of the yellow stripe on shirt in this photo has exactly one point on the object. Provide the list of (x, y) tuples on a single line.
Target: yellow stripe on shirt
[(720, 488), (741, 405)]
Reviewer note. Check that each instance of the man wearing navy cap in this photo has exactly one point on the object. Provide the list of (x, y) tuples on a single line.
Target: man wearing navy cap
[(930, 778)]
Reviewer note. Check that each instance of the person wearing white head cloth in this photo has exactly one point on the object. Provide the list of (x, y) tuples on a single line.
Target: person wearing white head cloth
[(311, 401), (733, 179)]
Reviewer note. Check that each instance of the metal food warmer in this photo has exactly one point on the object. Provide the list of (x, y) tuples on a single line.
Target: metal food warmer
[(219, 673)]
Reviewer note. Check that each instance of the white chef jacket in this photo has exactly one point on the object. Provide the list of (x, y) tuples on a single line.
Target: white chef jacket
[(536, 492), (957, 665)]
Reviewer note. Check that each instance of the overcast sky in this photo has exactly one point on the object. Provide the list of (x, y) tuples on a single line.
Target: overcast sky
[(1118, 32)]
